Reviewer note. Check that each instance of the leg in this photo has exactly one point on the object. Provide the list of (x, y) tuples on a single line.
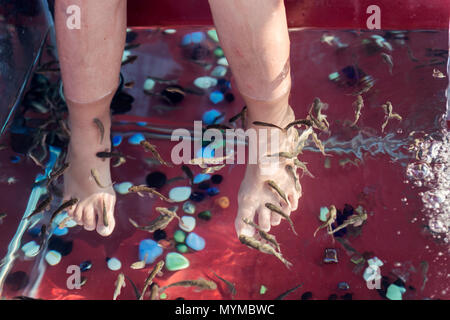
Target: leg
[(255, 39), (90, 60)]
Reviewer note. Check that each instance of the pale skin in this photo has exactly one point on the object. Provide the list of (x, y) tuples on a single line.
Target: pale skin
[(254, 37)]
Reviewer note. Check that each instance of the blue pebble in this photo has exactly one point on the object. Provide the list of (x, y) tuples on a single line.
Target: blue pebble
[(35, 231), (197, 196), (116, 141), (201, 177), (197, 37), (195, 242), (212, 191), (141, 123), (136, 138), (85, 265), (15, 159), (206, 152), (211, 115), (60, 232), (151, 248), (216, 97)]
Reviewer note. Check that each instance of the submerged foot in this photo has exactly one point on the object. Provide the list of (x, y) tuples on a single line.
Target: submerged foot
[(255, 191), (95, 208)]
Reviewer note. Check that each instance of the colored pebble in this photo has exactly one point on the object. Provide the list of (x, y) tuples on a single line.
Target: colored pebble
[(189, 207), (323, 213), (307, 295), (159, 235), (30, 249), (216, 97), (219, 71), (223, 62), (197, 196), (53, 257), (141, 123), (15, 159), (149, 248), (218, 52), (170, 31), (205, 82), (216, 179), (263, 289), (149, 84), (213, 191), (116, 140), (205, 215), (330, 256), (60, 232), (212, 33), (85, 265), (194, 37), (182, 248), (187, 223), (371, 273), (35, 231), (395, 292), (343, 286), (201, 177), (163, 296), (204, 185), (206, 152), (176, 261), (179, 236), (156, 179), (123, 187), (114, 264), (229, 97), (60, 245), (179, 194), (136, 139), (222, 202), (375, 262), (17, 280), (196, 242), (212, 116)]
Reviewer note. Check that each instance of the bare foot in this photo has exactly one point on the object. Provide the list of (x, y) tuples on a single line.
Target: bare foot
[(255, 192), (78, 181)]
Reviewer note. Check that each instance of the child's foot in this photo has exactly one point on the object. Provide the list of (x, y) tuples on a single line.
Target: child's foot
[(254, 192), (95, 207)]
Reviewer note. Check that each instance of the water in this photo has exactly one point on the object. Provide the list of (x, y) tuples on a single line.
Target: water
[(400, 176)]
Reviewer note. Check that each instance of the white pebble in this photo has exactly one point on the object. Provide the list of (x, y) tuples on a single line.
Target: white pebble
[(123, 187), (31, 249), (149, 84), (187, 223), (223, 61), (53, 257), (114, 264)]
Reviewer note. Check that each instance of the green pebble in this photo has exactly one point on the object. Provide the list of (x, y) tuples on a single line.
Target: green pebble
[(218, 52), (213, 35), (179, 236), (163, 296), (323, 213), (182, 248), (176, 261), (263, 289), (333, 76), (205, 215), (395, 292)]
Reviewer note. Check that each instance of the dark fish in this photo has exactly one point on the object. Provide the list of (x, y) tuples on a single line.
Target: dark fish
[(101, 128), (106, 154), (130, 59), (264, 248), (284, 294), (266, 124), (278, 210), (161, 222), (277, 189), (135, 289), (43, 205), (241, 115), (304, 122), (132, 46), (150, 277), (63, 207), (56, 174), (188, 173), (143, 188), (230, 285), (200, 283)]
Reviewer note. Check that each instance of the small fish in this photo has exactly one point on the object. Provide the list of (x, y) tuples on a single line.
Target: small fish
[(277, 189), (424, 266), (290, 169), (64, 128), (389, 114), (230, 285), (100, 127), (213, 169), (284, 294), (161, 222), (120, 161), (266, 236), (56, 174), (104, 214), (265, 124), (2, 217), (139, 264), (242, 115), (129, 84), (43, 236), (305, 122), (210, 161), (151, 276), (278, 210), (302, 165), (150, 147), (188, 173), (135, 289), (315, 115), (107, 154), (355, 220), (62, 207), (96, 176), (62, 224), (120, 282), (302, 140), (438, 74), (283, 154), (319, 144), (387, 58), (330, 220), (144, 188), (200, 283), (358, 104), (43, 205), (264, 248)]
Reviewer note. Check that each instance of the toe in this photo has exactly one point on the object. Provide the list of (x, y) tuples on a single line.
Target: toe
[(293, 199), (89, 218), (106, 222), (275, 219), (78, 215), (241, 226), (264, 215)]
